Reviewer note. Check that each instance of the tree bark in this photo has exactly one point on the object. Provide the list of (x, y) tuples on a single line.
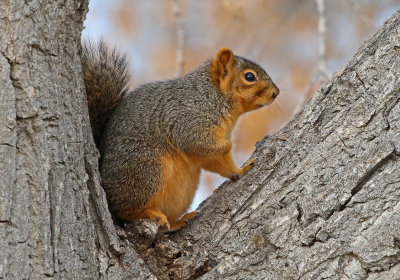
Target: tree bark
[(322, 202), (54, 220)]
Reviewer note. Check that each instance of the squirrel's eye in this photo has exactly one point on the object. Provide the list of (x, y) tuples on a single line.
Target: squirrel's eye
[(250, 77)]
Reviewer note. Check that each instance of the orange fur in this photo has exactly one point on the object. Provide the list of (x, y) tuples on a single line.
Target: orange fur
[(180, 178), (222, 135)]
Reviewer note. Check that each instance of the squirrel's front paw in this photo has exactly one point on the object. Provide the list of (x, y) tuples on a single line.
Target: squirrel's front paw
[(248, 165), (252, 161)]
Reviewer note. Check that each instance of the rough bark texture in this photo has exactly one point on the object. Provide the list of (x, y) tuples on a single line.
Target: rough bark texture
[(54, 220), (322, 203)]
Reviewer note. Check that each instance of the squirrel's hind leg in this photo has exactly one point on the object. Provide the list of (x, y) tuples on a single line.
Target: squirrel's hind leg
[(156, 215)]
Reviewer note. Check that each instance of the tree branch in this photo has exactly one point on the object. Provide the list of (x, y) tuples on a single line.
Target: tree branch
[(323, 201)]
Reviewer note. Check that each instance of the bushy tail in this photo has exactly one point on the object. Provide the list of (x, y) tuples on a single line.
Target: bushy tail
[(106, 75)]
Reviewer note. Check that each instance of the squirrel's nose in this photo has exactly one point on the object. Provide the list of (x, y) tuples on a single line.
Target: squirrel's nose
[(275, 93)]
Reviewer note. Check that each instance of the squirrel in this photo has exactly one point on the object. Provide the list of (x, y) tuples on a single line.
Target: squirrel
[(154, 140)]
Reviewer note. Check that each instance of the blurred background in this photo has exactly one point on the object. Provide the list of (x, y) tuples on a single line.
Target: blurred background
[(300, 43)]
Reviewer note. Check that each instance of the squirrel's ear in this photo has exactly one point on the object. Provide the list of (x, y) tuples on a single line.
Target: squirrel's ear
[(223, 64)]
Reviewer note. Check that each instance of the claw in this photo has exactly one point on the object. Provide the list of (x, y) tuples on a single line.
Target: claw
[(253, 161)]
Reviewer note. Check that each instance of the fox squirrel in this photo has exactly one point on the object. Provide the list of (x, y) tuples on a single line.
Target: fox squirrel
[(154, 140)]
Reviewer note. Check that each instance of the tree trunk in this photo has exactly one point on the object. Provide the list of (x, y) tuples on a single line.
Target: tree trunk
[(54, 220), (322, 202)]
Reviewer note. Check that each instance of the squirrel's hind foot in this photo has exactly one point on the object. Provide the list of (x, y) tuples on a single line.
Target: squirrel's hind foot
[(181, 222)]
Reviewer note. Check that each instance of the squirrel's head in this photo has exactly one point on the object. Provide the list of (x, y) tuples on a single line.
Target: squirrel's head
[(242, 80)]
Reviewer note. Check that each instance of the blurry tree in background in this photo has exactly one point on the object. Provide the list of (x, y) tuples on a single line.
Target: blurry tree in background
[(283, 36)]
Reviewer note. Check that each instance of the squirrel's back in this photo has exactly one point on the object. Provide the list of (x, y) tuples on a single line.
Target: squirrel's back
[(157, 110)]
